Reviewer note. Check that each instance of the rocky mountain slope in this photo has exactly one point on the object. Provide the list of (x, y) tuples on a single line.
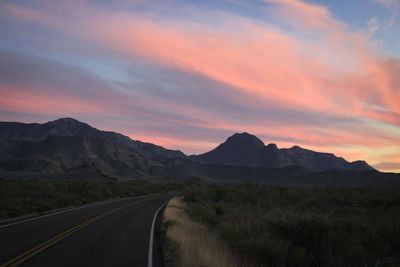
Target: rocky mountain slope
[(72, 127), (243, 149), (72, 157), (70, 149)]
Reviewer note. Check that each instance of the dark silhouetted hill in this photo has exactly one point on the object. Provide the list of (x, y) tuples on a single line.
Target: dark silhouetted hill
[(72, 127), (72, 157), (247, 150), (67, 148)]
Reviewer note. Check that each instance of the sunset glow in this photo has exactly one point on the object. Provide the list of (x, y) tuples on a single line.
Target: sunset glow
[(188, 74)]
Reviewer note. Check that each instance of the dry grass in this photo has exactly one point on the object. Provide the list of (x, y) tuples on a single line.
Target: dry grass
[(197, 246)]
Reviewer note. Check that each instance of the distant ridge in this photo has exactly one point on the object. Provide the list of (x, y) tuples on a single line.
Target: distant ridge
[(73, 127), (72, 157), (67, 148), (240, 149), (244, 149)]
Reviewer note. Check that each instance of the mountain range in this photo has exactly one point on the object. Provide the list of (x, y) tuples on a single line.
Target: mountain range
[(68, 148), (243, 149), (72, 127)]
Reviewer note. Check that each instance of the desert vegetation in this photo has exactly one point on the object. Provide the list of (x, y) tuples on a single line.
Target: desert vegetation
[(284, 226), (250, 223), (35, 196)]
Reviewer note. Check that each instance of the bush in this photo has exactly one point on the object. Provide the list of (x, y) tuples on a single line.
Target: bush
[(19, 197), (284, 226)]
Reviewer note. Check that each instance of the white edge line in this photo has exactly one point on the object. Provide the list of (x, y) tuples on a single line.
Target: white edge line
[(71, 209), (150, 256)]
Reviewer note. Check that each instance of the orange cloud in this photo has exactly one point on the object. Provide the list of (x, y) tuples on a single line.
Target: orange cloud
[(307, 15), (12, 99), (259, 60), (267, 64), (330, 72)]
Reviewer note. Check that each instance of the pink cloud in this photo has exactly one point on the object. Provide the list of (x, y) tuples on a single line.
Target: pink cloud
[(268, 64), (308, 16), (334, 73), (12, 99), (264, 61), (28, 14)]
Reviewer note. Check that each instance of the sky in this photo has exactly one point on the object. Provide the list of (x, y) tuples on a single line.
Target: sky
[(321, 74)]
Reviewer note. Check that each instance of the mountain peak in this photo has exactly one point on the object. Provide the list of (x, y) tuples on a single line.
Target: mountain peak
[(244, 149), (68, 127), (361, 165), (245, 140), (71, 127), (239, 148), (272, 147), (66, 120)]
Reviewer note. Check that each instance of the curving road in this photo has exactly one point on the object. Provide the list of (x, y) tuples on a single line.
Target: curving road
[(114, 233)]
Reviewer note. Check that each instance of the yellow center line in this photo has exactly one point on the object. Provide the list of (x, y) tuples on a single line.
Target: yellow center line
[(39, 248)]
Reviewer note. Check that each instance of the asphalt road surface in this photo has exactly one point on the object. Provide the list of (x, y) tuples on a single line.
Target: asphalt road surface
[(115, 233)]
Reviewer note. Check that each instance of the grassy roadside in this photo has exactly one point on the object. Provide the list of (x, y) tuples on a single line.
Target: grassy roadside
[(192, 242), (218, 224), (22, 197), (283, 226)]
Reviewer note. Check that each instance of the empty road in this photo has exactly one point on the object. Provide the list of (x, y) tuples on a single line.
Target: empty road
[(115, 233)]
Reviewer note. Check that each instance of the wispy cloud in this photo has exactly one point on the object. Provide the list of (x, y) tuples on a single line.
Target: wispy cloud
[(373, 25), (307, 15), (323, 86), (393, 5)]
